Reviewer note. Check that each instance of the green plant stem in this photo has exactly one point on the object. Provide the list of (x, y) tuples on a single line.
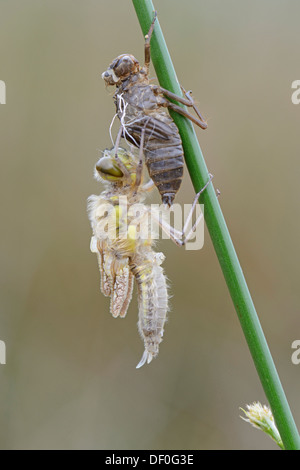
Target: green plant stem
[(221, 238)]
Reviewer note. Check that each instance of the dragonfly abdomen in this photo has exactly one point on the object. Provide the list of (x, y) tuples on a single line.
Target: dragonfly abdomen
[(165, 167), (153, 302), (163, 152)]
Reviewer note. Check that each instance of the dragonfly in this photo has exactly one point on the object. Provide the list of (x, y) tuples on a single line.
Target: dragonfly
[(123, 239), (142, 105)]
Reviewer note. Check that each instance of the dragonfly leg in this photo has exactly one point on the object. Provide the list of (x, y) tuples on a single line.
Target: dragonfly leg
[(180, 238), (192, 103), (183, 112), (147, 44), (188, 101), (139, 169), (119, 162), (147, 187)]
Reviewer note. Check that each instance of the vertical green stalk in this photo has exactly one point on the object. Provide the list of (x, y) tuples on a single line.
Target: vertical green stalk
[(221, 238)]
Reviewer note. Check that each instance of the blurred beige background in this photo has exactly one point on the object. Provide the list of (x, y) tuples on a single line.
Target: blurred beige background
[(70, 380)]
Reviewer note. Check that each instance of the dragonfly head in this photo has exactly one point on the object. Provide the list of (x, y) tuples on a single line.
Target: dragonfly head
[(108, 166), (120, 69)]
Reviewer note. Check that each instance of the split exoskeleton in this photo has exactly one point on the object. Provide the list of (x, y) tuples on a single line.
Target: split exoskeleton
[(142, 105), (124, 246)]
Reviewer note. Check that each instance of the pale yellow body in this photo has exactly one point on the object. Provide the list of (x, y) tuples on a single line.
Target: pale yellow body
[(122, 240)]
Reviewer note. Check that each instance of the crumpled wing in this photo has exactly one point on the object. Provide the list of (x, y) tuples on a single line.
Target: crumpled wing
[(104, 261), (116, 279), (122, 290)]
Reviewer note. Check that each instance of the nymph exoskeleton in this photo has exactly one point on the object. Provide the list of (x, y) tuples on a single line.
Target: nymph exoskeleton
[(124, 246), (142, 105)]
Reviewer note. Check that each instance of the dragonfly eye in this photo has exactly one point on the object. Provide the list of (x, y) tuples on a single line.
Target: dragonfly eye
[(110, 77), (120, 68), (106, 75), (105, 166), (124, 66)]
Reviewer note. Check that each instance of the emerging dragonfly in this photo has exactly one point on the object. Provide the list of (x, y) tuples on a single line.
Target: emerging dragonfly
[(142, 105), (122, 254)]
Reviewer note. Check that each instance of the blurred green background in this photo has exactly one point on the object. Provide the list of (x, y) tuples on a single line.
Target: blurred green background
[(70, 380)]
